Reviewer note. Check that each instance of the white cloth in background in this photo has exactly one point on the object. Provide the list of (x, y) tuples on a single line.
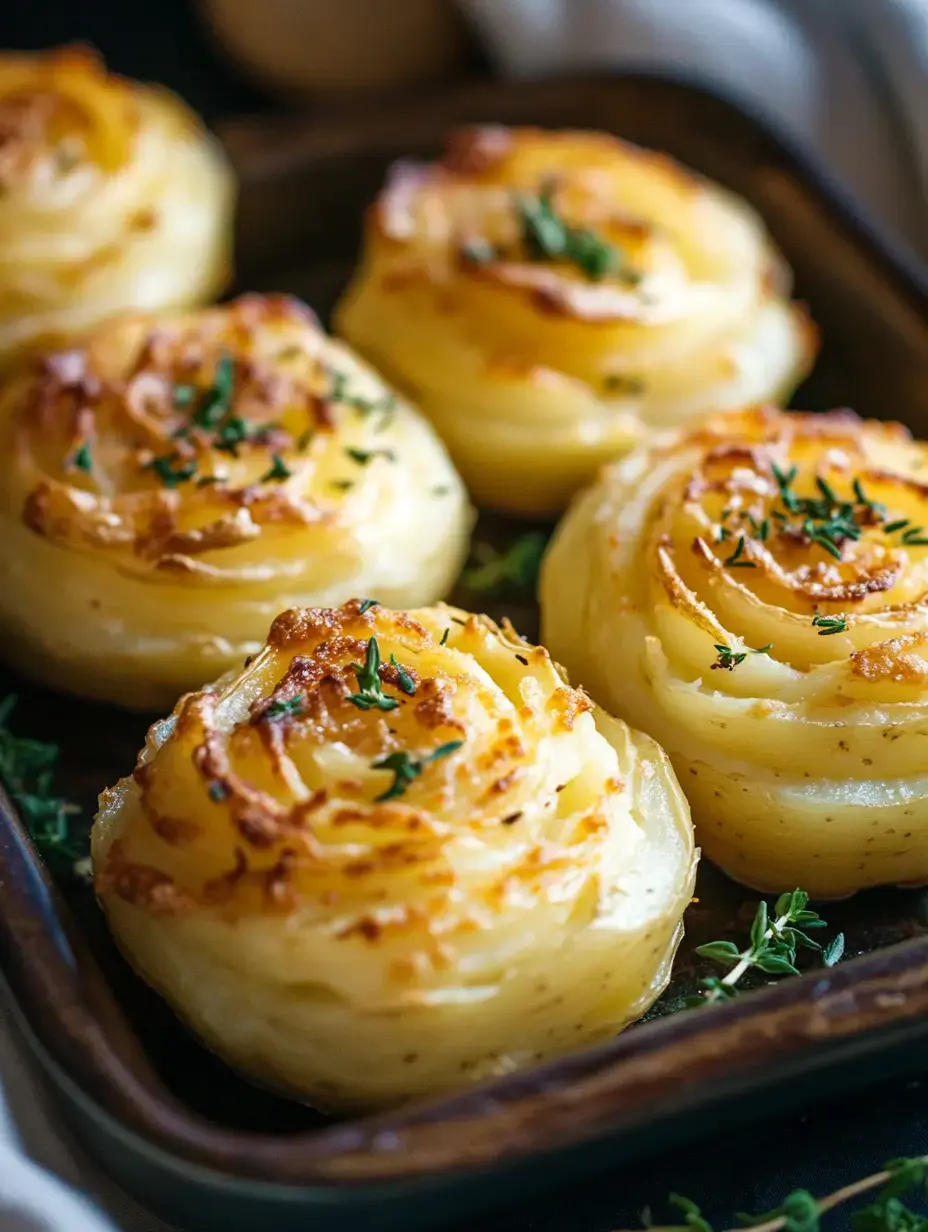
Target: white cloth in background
[(847, 79)]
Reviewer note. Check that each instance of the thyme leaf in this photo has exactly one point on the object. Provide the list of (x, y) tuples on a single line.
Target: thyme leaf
[(27, 771), (546, 236), (370, 695), (828, 626), (515, 568), (406, 768), (278, 472), (82, 459), (290, 705)]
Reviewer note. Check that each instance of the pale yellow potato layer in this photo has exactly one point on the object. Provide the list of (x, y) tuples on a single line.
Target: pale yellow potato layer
[(170, 486), (360, 935), (112, 196), (537, 368), (693, 592)]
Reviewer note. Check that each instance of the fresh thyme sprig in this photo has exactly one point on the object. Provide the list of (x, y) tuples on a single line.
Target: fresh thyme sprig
[(27, 771), (515, 568), (546, 236), (370, 695), (406, 768), (801, 1212), (729, 659), (773, 946), (828, 626)]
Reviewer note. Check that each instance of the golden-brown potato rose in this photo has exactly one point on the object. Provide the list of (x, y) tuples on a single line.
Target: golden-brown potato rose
[(168, 488), (112, 196), (753, 595), (396, 854), (548, 297)]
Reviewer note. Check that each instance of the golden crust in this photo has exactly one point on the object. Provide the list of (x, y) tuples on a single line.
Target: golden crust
[(536, 365), (112, 196), (187, 476), (754, 594), (508, 885)]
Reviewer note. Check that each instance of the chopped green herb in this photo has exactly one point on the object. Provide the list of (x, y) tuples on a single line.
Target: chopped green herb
[(343, 485), (406, 768), (363, 456), (292, 705), (891, 527), (304, 440), (278, 472), (206, 481), (218, 791), (914, 537), (232, 433), (171, 471), (407, 684), (729, 659), (81, 459), (444, 637), (547, 237), (516, 568), (371, 695), (217, 399), (737, 560), (367, 604), (27, 771), (829, 625)]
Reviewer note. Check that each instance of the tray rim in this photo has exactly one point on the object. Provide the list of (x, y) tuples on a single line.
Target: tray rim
[(45, 960)]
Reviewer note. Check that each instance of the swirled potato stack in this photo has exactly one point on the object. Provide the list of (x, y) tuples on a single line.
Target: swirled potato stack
[(753, 595), (112, 196), (169, 487), (394, 854), (548, 297)]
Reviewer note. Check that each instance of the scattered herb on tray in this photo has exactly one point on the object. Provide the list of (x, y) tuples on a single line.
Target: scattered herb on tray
[(513, 569), (27, 771), (772, 949), (801, 1212)]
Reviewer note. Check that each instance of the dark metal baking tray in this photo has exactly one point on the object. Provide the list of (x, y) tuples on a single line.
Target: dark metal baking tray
[(203, 1146)]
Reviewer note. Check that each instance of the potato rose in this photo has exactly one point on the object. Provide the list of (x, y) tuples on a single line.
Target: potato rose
[(548, 297), (395, 854), (168, 488), (753, 595), (112, 196)]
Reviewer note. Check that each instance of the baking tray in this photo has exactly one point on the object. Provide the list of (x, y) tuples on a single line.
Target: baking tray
[(204, 1147)]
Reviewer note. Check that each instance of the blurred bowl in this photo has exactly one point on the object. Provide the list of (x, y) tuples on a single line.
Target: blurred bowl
[(300, 48)]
